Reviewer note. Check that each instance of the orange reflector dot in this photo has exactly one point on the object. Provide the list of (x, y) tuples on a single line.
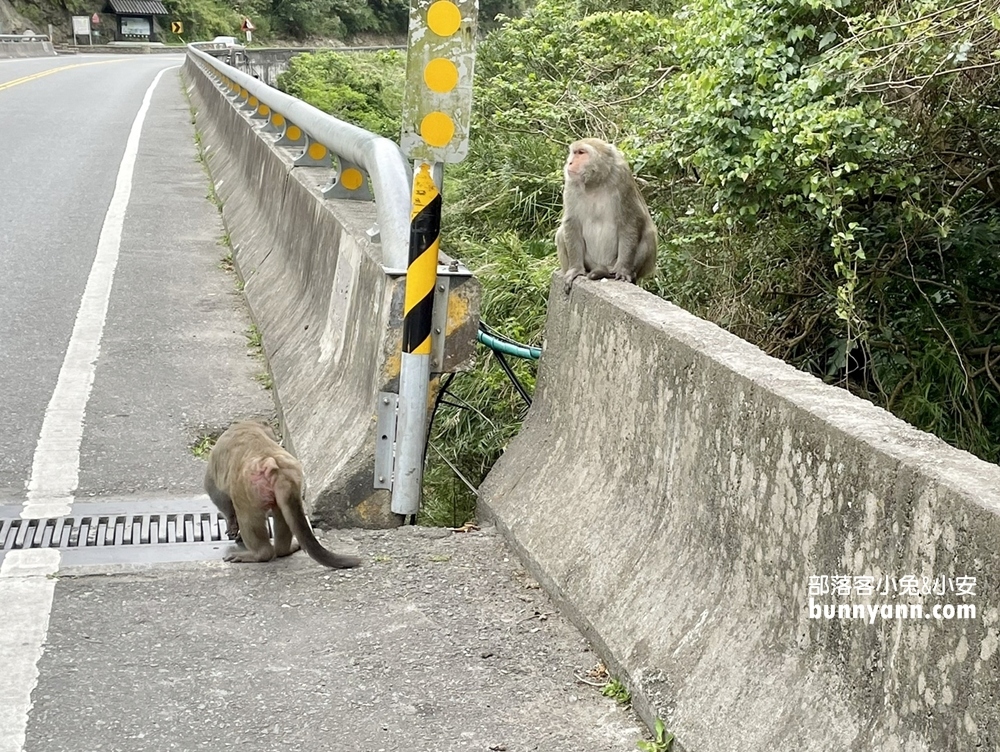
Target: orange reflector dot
[(351, 179), (253, 102), (441, 75), (444, 18), (316, 150), (264, 110), (294, 132), (437, 129), (278, 120)]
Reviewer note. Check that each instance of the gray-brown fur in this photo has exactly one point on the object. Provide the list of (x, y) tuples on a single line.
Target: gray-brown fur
[(606, 228), (249, 476)]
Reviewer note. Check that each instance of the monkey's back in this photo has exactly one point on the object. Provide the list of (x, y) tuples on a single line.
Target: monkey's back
[(240, 448)]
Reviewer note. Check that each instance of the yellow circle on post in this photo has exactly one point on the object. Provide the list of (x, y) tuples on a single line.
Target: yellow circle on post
[(264, 110), (444, 18), (351, 179), (317, 150), (437, 129), (441, 75), (277, 119), (293, 132)]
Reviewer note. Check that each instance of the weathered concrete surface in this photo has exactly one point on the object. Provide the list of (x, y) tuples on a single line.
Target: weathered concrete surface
[(26, 49), (439, 643), (676, 489), (330, 315)]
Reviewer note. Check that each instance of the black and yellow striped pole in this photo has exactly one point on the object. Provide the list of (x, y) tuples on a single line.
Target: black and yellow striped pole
[(414, 368), (421, 273)]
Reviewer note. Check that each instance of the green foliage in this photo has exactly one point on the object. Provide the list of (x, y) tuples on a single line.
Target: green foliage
[(255, 340), (662, 740), (203, 445), (365, 89), (617, 692), (204, 19), (820, 172), (483, 409)]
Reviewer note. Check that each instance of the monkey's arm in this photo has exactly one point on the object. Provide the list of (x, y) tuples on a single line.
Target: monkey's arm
[(572, 250)]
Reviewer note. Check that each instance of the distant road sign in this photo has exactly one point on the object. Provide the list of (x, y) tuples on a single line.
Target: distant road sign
[(176, 27), (81, 26)]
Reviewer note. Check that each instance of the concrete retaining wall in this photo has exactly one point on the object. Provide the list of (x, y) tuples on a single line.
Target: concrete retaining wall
[(26, 49), (676, 489), (329, 314)]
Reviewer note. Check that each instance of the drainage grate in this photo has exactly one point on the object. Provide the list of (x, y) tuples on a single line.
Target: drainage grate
[(112, 530), (122, 531)]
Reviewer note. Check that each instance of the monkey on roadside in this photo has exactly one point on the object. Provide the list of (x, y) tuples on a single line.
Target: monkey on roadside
[(606, 229), (249, 476)]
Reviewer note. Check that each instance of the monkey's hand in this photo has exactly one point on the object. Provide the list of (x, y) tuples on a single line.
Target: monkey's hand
[(569, 277)]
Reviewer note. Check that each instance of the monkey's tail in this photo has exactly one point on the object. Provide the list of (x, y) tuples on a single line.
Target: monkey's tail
[(291, 510)]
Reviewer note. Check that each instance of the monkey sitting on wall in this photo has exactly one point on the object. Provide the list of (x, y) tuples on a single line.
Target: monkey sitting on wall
[(606, 230), (249, 476)]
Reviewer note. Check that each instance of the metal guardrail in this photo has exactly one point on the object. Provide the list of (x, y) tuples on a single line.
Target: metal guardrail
[(24, 38), (386, 167)]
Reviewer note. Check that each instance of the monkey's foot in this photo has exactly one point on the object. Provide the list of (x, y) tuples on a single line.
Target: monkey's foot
[(249, 557), (291, 549)]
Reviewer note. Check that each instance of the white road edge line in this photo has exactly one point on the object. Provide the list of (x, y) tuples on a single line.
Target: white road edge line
[(55, 469), (26, 588)]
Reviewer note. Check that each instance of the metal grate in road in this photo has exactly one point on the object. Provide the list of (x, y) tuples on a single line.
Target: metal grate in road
[(122, 531), (112, 530)]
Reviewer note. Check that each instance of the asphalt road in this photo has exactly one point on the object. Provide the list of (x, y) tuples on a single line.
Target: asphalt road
[(172, 361)]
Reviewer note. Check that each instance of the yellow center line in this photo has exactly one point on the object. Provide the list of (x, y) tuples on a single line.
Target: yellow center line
[(42, 74)]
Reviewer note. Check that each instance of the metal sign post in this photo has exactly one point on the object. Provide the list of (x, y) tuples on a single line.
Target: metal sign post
[(437, 108)]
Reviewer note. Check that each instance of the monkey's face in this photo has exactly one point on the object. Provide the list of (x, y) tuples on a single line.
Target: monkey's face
[(579, 157)]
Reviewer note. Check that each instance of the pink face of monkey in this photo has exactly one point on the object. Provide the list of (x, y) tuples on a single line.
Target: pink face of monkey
[(579, 157)]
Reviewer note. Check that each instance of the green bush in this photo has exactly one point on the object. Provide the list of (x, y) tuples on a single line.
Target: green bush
[(819, 171), (365, 89), (205, 19)]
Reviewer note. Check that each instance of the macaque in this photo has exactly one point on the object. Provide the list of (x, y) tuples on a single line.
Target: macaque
[(606, 230), (249, 476)]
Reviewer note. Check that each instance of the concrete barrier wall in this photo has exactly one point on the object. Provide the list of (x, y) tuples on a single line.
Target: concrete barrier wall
[(26, 49), (329, 314), (676, 489)]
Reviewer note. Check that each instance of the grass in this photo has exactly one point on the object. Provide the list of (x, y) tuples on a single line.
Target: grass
[(203, 445), (255, 340), (617, 692), (662, 741)]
